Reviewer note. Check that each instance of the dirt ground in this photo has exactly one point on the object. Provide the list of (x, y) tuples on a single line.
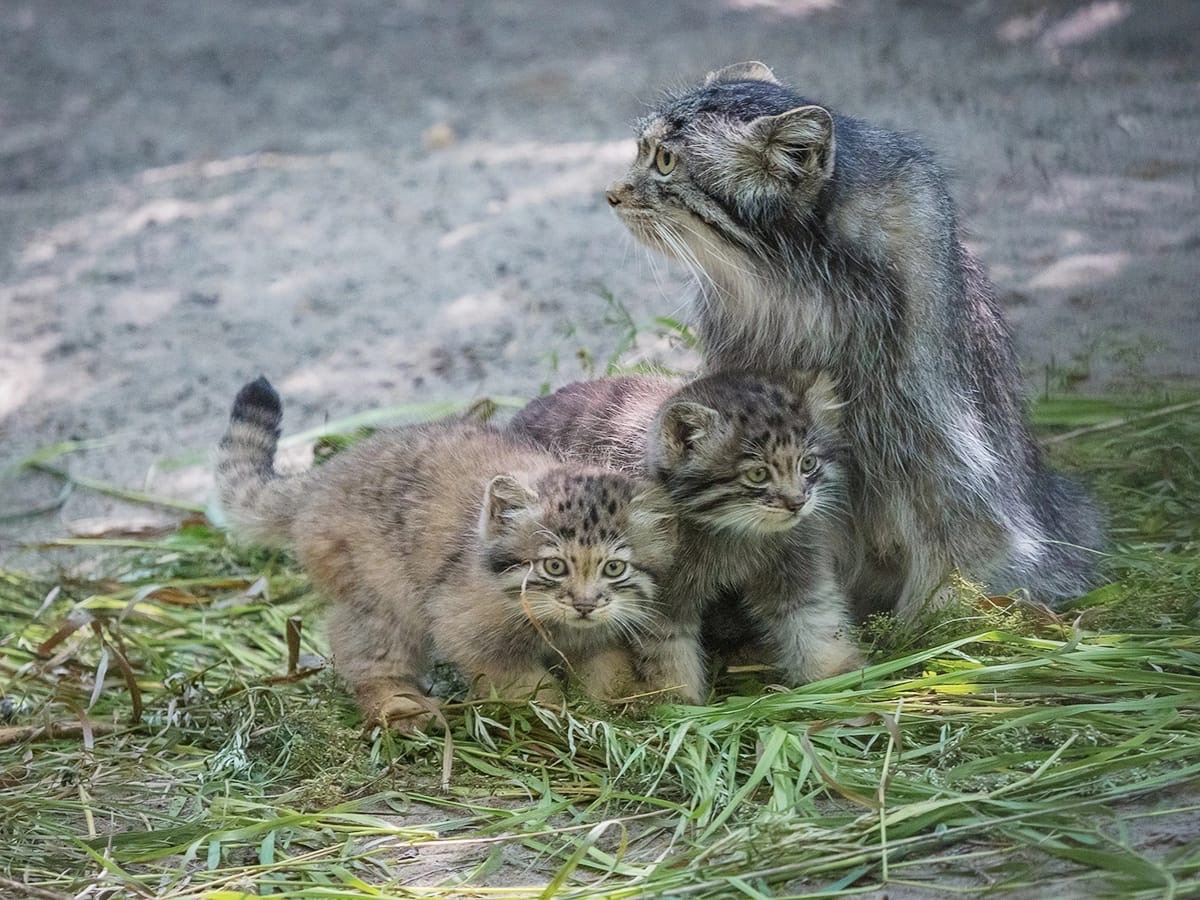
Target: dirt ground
[(378, 203)]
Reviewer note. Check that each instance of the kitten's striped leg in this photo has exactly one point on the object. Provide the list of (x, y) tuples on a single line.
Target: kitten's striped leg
[(673, 663), (810, 629), (381, 660)]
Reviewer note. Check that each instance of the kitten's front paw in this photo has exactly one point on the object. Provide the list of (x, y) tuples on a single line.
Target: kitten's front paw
[(609, 676), (406, 715), (540, 686), (674, 670)]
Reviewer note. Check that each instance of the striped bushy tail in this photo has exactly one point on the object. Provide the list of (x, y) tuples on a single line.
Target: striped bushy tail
[(259, 504)]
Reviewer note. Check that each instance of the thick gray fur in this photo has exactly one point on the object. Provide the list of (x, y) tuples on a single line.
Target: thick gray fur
[(821, 241), (693, 440)]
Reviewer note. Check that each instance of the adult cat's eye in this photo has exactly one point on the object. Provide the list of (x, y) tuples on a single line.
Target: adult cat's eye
[(664, 161), (757, 475), (808, 464), (554, 566), (615, 568)]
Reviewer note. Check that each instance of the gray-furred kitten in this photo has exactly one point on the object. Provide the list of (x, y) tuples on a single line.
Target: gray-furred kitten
[(753, 470), (821, 241), (454, 541)]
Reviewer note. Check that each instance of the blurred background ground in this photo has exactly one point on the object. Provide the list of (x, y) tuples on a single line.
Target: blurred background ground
[(379, 203)]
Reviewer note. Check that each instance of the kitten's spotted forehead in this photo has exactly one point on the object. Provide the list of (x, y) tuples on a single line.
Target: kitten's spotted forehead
[(588, 508), (770, 433), (766, 414)]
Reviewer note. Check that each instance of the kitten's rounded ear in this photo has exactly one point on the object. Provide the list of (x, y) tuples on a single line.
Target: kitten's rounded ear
[(797, 144), (752, 70), (504, 497), (683, 426)]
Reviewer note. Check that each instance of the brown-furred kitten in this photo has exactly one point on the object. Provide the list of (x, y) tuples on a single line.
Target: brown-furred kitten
[(453, 541), (753, 468)]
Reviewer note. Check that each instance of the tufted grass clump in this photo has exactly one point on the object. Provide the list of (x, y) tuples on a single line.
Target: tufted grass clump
[(169, 728)]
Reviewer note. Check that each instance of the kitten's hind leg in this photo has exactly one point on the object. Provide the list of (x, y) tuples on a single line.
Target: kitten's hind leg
[(381, 657)]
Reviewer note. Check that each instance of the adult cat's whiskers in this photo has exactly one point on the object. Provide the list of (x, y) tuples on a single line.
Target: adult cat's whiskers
[(716, 251), (683, 253)]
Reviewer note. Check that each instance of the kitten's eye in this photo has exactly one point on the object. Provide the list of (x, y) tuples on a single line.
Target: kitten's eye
[(664, 161), (615, 568), (757, 475), (555, 567), (808, 464)]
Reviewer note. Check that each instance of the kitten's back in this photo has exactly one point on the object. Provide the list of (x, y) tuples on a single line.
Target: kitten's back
[(603, 422)]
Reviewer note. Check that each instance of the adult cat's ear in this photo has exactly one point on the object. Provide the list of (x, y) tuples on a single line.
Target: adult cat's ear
[(752, 70), (795, 145), (683, 426), (503, 500)]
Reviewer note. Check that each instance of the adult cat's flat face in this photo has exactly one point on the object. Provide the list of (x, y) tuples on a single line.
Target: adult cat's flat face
[(717, 168)]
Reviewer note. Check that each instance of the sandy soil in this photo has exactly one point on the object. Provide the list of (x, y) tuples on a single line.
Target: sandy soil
[(379, 203)]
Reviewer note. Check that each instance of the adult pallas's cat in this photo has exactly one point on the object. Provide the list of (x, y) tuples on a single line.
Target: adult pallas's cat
[(453, 541), (820, 241)]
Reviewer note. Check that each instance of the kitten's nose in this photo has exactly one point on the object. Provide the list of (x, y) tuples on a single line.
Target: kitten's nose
[(614, 199), (793, 502), (585, 603)]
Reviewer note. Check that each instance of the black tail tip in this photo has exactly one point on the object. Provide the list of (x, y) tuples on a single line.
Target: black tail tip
[(257, 401)]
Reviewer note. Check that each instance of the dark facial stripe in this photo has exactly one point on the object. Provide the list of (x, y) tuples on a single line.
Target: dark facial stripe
[(636, 591), (498, 561), (716, 501)]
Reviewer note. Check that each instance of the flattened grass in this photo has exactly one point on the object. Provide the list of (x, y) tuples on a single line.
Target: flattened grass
[(163, 736)]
